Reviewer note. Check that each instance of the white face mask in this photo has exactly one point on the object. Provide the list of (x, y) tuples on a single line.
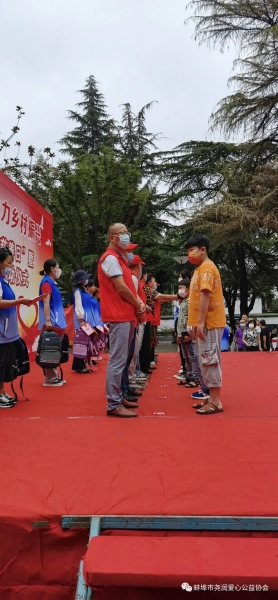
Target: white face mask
[(182, 293), (57, 273), (251, 325), (6, 272)]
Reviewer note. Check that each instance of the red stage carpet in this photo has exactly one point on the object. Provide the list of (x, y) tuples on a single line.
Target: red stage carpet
[(61, 455)]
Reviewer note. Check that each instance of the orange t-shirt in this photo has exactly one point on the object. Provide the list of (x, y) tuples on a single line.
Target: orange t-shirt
[(207, 277)]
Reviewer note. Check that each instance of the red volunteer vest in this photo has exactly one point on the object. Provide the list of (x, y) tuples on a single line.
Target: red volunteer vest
[(113, 307), (157, 310)]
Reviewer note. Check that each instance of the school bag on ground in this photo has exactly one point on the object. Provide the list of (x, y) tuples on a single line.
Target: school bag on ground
[(19, 365), (49, 352)]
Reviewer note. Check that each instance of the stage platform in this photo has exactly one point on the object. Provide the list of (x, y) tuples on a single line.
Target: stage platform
[(61, 455)]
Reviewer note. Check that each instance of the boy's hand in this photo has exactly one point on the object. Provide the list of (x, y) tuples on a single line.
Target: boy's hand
[(200, 331)]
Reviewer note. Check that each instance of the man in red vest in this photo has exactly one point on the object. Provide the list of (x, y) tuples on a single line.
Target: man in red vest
[(120, 308)]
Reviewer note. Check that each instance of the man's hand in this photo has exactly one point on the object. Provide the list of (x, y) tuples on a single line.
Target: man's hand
[(178, 340), (200, 331), (140, 313)]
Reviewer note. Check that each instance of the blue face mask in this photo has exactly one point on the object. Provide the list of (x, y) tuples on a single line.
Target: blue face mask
[(124, 240), (129, 257), (6, 272), (154, 286)]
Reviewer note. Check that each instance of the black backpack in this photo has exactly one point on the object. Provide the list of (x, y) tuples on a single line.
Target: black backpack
[(19, 365), (49, 352), (65, 349)]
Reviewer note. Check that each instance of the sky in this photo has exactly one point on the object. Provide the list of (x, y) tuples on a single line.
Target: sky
[(138, 51)]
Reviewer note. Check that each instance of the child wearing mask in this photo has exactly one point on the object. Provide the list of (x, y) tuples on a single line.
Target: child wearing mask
[(239, 336), (51, 312), (183, 337), (9, 333), (83, 313), (100, 337)]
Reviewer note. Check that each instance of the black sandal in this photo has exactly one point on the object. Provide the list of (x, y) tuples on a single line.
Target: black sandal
[(191, 384)]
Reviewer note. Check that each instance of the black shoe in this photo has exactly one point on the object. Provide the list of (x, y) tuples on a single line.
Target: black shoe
[(129, 397), (134, 393)]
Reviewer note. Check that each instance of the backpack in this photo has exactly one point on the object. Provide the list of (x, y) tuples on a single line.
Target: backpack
[(81, 345), (19, 365), (49, 352), (65, 349)]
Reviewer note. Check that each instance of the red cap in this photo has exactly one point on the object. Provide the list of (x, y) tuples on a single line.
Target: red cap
[(136, 261), (132, 247)]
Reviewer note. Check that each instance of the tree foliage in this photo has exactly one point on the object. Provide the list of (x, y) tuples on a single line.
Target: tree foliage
[(94, 126), (252, 26)]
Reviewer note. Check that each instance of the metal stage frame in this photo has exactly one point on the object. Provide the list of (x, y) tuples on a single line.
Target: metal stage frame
[(96, 523)]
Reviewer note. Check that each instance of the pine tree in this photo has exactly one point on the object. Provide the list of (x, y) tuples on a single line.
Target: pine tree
[(94, 126), (135, 141), (252, 26)]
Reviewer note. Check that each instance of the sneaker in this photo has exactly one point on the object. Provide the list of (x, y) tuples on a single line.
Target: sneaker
[(53, 383), (63, 381), (200, 395), (152, 364), (137, 386), (181, 376), (5, 403), (10, 398), (139, 374)]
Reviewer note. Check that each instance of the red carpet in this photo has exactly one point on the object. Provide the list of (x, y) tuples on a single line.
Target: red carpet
[(61, 455)]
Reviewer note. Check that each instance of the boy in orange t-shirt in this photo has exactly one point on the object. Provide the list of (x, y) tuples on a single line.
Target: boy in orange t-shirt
[(206, 318)]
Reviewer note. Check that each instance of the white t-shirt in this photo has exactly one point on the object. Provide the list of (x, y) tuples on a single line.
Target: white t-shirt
[(135, 281), (79, 310), (111, 266)]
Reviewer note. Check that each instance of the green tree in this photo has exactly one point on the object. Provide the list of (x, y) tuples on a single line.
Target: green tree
[(135, 142), (252, 26), (219, 190), (94, 126)]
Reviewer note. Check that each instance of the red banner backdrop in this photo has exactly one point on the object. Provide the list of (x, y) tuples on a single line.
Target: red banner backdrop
[(27, 229)]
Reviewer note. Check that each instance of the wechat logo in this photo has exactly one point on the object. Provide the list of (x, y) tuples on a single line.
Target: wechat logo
[(185, 586)]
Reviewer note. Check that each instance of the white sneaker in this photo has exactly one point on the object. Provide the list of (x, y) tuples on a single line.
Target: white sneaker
[(10, 398), (53, 383), (152, 364), (5, 403)]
